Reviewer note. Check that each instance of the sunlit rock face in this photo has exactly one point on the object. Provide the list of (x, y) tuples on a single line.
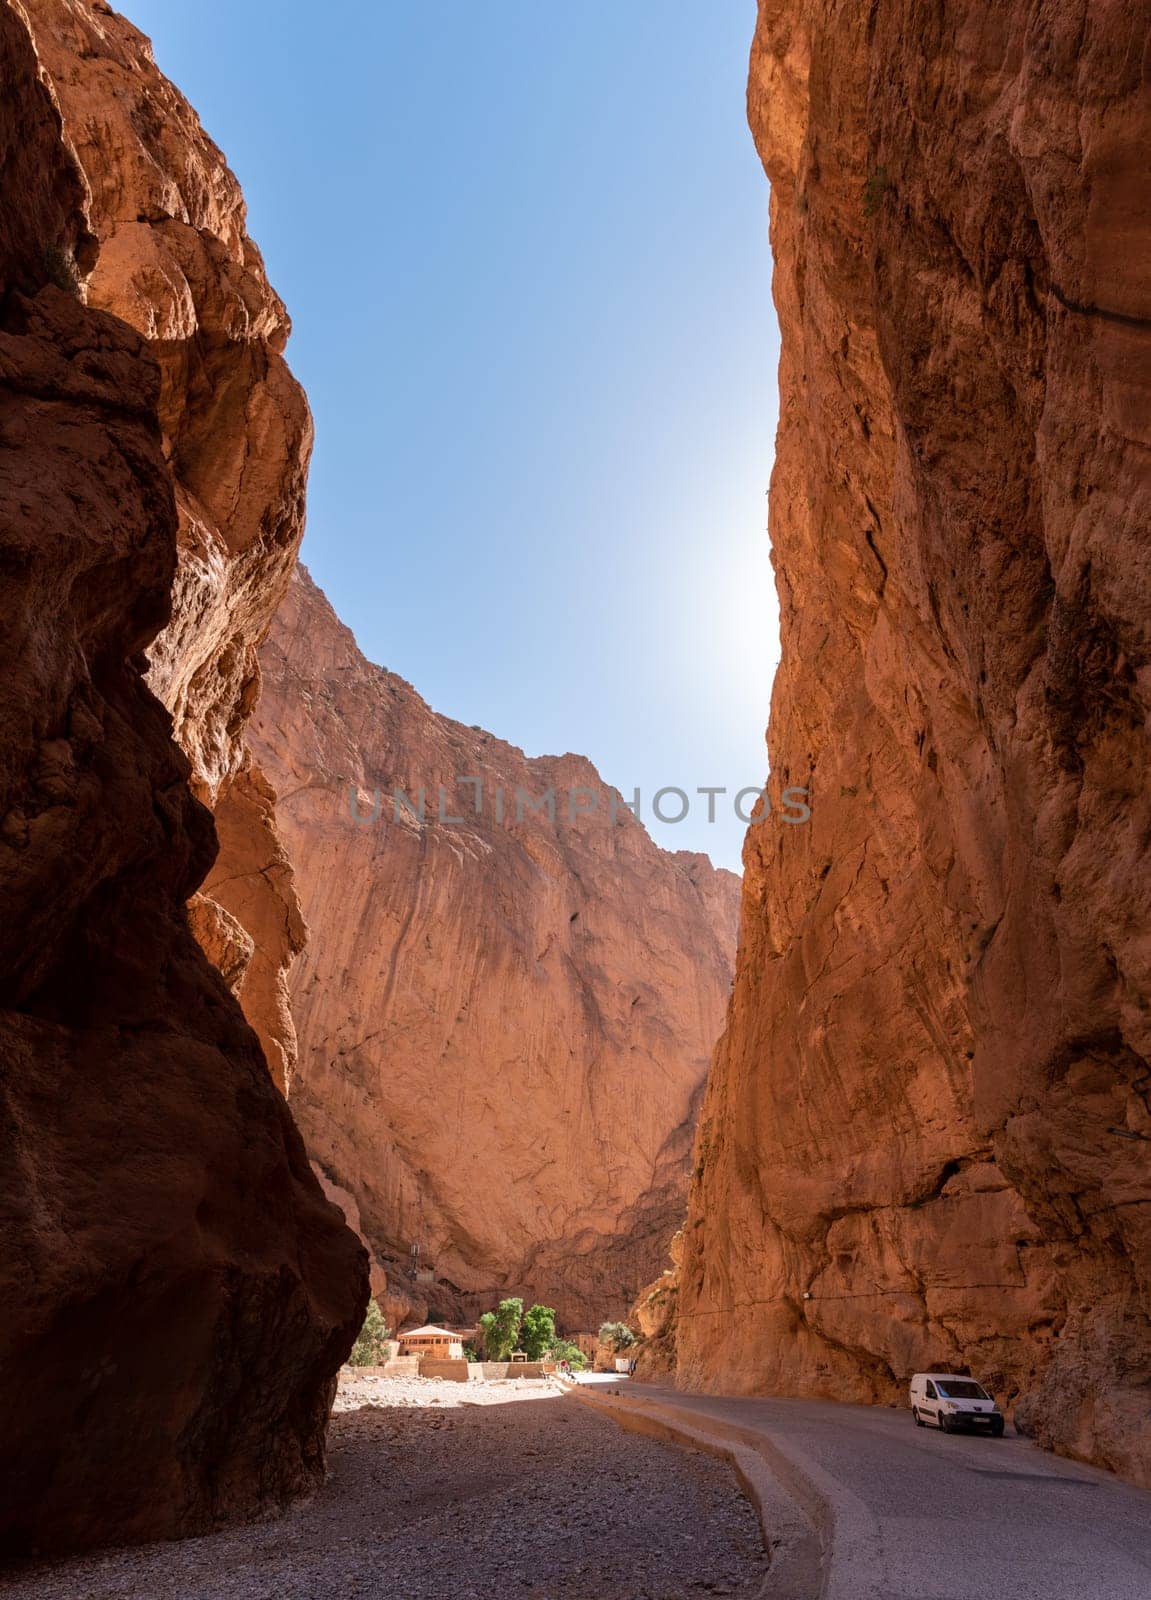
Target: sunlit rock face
[(908, 1154), (176, 263), (177, 1294), (504, 1024)]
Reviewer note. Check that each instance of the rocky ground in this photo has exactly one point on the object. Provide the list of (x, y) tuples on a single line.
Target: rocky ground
[(441, 1490)]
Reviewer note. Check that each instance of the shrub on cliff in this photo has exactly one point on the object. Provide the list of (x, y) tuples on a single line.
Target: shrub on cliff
[(61, 269), (538, 1333), (501, 1329), (371, 1346), (618, 1335)]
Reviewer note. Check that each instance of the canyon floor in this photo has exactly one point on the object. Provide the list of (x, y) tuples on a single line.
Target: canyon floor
[(444, 1489)]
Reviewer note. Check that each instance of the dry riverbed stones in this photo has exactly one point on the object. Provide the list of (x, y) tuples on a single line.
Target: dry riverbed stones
[(441, 1491)]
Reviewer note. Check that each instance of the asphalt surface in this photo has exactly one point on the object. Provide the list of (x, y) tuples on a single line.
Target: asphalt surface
[(932, 1516)]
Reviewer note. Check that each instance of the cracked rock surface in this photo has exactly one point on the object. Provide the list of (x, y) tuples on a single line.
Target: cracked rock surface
[(927, 1137)]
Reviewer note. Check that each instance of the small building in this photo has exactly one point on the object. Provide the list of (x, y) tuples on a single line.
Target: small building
[(437, 1344)]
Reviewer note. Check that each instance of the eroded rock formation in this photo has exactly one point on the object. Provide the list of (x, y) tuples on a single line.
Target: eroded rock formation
[(177, 1293), (176, 263), (926, 1138), (653, 1318), (504, 1024)]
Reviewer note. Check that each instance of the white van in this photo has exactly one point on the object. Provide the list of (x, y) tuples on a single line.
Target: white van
[(952, 1402)]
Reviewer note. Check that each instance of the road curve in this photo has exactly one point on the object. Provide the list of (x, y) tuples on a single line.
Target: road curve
[(931, 1516)]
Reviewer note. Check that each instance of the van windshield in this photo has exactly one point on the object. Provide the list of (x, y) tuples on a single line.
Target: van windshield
[(962, 1389)]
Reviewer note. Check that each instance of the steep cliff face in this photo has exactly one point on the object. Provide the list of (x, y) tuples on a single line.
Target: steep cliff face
[(177, 1293), (504, 1021), (176, 263), (925, 1140)]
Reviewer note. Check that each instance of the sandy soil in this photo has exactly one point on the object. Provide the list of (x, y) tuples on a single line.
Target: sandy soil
[(443, 1491)]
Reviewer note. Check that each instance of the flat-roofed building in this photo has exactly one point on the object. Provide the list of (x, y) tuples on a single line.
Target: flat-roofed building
[(438, 1344)]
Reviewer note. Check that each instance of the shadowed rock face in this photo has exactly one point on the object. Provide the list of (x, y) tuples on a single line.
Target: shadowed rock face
[(941, 1008), (177, 1293), (176, 263), (504, 1025)]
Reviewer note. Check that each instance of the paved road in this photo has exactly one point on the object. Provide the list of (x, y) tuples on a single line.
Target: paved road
[(952, 1516)]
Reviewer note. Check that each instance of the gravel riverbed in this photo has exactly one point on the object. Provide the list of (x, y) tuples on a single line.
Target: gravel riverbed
[(445, 1491)]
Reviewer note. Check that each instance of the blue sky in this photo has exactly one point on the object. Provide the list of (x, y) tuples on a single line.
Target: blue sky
[(525, 251)]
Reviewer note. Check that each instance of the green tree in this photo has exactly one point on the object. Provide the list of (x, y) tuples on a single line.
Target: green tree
[(618, 1335), (502, 1329), (539, 1332), (564, 1350), (371, 1346)]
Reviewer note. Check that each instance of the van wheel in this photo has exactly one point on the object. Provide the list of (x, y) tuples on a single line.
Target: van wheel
[(944, 1423), (997, 1429), (919, 1422)]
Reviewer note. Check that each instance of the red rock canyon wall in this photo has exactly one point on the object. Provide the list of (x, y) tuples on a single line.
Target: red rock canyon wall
[(942, 1008), (504, 1026), (177, 1293), (176, 263)]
